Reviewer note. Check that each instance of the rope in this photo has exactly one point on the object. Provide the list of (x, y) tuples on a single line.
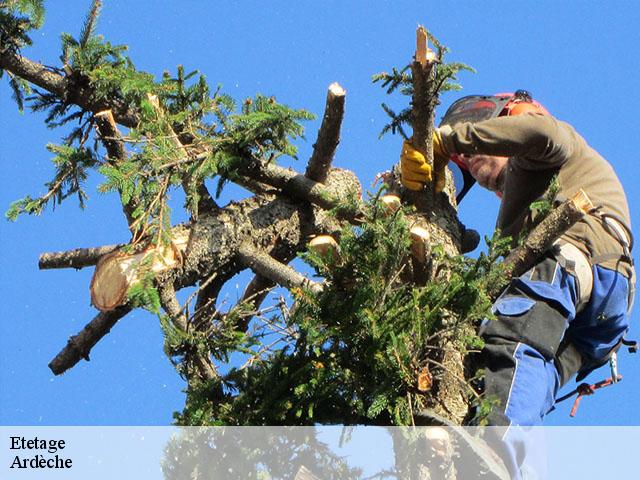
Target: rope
[(585, 389)]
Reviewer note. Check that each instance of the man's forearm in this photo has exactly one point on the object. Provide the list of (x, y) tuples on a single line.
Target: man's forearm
[(541, 140)]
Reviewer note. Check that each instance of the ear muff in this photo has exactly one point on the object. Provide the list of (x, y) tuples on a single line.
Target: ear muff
[(520, 108), (521, 102)]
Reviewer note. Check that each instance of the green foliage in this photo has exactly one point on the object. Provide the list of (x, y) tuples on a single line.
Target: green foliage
[(216, 140), (17, 19), (90, 22), (483, 406), (543, 207), (91, 61), (200, 406), (261, 132), (445, 79), (72, 165), (19, 88), (357, 348), (265, 126), (143, 293), (189, 104)]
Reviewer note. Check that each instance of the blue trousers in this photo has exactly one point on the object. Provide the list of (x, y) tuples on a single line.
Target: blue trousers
[(539, 341)]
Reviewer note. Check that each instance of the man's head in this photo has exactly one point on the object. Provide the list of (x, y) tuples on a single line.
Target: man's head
[(488, 170)]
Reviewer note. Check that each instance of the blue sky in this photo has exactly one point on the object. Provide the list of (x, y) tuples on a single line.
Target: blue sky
[(578, 58)]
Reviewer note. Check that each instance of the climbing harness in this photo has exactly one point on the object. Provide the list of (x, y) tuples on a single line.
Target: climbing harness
[(576, 263)]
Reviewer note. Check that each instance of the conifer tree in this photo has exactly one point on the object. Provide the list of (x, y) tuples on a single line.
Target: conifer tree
[(388, 331)]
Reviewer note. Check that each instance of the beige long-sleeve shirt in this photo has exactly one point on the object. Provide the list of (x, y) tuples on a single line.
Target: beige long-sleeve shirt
[(540, 147)]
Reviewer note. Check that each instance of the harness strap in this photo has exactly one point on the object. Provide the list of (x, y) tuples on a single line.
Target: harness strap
[(577, 264), (574, 258), (585, 389)]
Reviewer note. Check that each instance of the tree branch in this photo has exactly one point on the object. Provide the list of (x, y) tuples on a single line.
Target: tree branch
[(77, 258), (114, 144), (33, 72), (212, 247), (257, 290), (423, 105), (290, 182), (79, 346), (423, 102), (294, 184), (110, 136), (265, 265), (205, 307), (328, 135), (55, 83), (299, 186), (546, 232), (255, 293)]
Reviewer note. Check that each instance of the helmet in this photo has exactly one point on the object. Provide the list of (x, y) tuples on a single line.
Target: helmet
[(476, 108)]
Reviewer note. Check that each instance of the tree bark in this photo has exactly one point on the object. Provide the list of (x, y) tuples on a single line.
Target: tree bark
[(328, 135), (77, 258), (438, 218)]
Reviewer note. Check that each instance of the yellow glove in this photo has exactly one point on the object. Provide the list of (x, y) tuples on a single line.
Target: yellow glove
[(440, 161), (416, 172)]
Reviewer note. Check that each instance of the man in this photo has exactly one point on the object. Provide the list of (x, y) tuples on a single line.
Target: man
[(569, 313)]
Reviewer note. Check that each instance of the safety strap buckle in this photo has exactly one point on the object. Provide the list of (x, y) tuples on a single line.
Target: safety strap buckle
[(631, 345)]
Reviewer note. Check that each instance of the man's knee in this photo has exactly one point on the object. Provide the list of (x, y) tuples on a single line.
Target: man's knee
[(520, 318)]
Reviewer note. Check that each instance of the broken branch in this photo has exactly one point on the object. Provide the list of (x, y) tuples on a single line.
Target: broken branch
[(79, 346), (546, 232), (423, 102), (77, 258), (265, 265), (110, 136), (328, 135)]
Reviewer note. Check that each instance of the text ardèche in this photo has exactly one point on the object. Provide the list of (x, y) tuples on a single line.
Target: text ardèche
[(40, 460)]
